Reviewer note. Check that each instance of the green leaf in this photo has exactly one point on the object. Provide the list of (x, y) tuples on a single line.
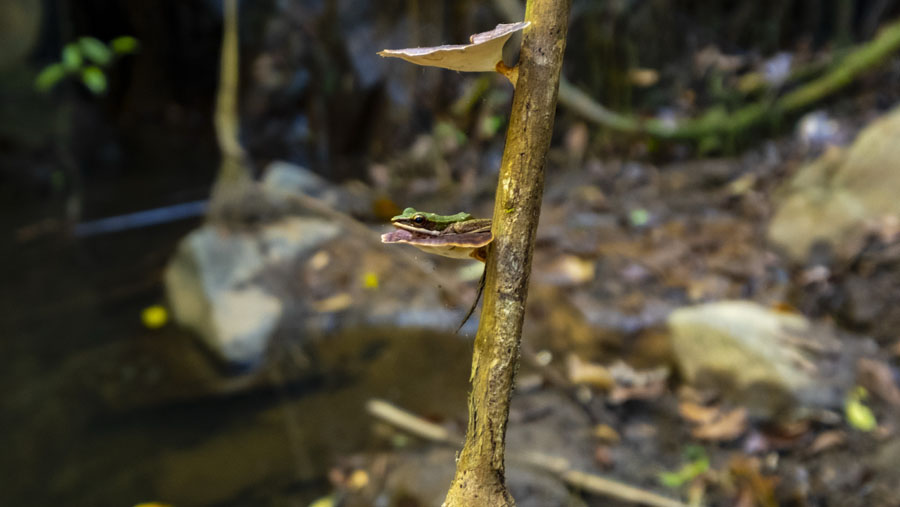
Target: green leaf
[(94, 50), (94, 79), (858, 414), (639, 217), (124, 45), (490, 125), (71, 57), (48, 77), (671, 479)]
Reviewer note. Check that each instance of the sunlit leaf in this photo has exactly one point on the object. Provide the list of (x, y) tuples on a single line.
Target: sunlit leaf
[(639, 217), (71, 57), (48, 77), (483, 54), (858, 414), (490, 125), (94, 50), (370, 280), (698, 465), (154, 316), (325, 501), (124, 45), (94, 79)]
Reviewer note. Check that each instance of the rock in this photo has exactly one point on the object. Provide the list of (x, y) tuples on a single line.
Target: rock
[(281, 178), (833, 199), (238, 285), (776, 364), (214, 282)]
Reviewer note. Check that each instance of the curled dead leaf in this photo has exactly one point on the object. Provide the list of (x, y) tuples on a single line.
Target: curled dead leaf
[(728, 426), (827, 440), (483, 54), (591, 374), (696, 413), (877, 377)]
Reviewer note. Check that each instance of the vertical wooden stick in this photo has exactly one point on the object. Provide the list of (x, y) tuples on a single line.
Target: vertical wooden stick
[(480, 469)]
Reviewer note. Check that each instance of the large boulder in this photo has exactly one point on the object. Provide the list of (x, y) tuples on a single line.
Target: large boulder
[(833, 199), (777, 364), (237, 285), (216, 285)]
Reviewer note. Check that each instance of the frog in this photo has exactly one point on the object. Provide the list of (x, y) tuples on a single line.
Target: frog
[(458, 236)]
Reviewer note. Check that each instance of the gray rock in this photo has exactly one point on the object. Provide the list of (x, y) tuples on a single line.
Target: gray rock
[(776, 364), (215, 282), (833, 199)]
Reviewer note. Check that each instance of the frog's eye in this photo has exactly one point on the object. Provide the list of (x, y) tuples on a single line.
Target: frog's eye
[(419, 219)]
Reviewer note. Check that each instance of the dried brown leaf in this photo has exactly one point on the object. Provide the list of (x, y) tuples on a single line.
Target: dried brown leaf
[(827, 440), (584, 373), (697, 414), (728, 426), (482, 55), (877, 377)]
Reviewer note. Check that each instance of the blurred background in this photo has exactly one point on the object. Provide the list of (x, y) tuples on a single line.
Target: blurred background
[(196, 322)]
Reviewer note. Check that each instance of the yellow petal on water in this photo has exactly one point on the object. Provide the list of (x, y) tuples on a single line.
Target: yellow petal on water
[(370, 280), (154, 317)]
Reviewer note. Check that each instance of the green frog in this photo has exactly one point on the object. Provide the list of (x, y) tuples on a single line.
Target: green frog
[(459, 236)]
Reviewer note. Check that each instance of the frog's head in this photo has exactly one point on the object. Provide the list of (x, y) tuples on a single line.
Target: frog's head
[(426, 223)]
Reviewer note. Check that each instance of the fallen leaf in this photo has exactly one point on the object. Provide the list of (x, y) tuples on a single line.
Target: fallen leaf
[(605, 433), (334, 303), (858, 414), (603, 456), (728, 426), (745, 471), (621, 394), (482, 55), (827, 440), (696, 413), (877, 377), (631, 384), (568, 270), (358, 480), (584, 373)]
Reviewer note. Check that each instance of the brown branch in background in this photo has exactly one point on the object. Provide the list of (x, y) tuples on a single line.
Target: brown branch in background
[(234, 172), (716, 122), (479, 478)]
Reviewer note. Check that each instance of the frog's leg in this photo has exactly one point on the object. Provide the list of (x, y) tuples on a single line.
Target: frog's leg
[(474, 303)]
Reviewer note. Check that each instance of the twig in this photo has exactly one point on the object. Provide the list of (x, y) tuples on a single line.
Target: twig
[(410, 423), (557, 466)]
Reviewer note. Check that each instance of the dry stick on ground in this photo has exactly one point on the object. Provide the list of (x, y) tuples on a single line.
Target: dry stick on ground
[(479, 478), (554, 465)]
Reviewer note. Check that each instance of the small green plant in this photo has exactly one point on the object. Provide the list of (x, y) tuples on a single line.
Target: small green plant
[(697, 464), (85, 58), (857, 413)]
